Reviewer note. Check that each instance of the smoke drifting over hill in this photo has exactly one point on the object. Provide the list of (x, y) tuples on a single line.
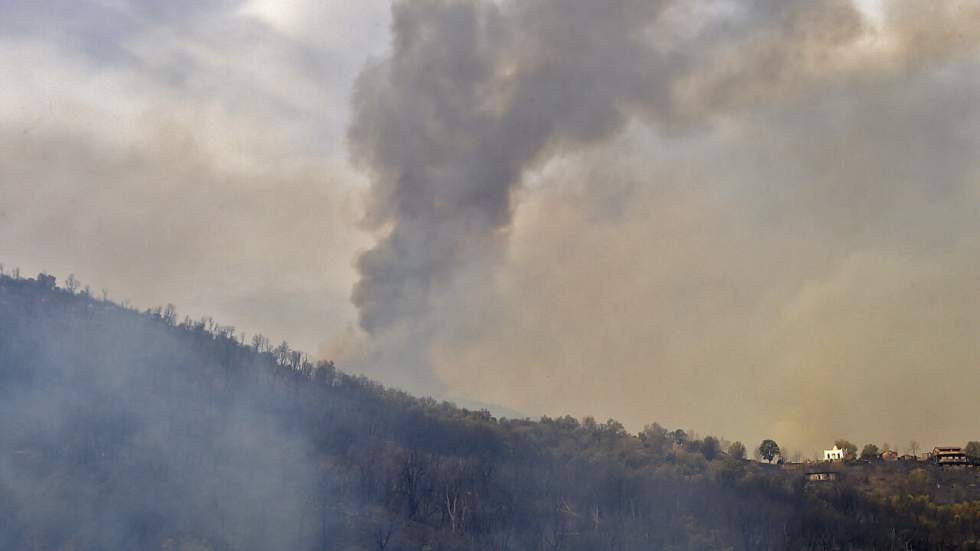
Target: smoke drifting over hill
[(635, 202), (752, 217)]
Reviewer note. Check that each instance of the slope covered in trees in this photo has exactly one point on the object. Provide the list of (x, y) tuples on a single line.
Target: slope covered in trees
[(129, 430)]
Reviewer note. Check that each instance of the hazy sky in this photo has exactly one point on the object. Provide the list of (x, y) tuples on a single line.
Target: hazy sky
[(746, 218)]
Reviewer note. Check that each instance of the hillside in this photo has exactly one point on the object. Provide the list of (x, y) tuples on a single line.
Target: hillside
[(133, 430)]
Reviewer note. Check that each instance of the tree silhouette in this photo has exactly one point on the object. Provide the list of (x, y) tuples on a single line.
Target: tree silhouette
[(737, 450), (768, 450)]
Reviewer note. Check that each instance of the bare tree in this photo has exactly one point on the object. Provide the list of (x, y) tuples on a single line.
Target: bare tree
[(71, 284), (260, 343), (737, 450), (452, 508), (383, 532), (169, 315), (282, 354), (411, 482)]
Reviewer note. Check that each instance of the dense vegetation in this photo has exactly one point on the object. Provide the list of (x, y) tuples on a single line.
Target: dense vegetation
[(129, 430)]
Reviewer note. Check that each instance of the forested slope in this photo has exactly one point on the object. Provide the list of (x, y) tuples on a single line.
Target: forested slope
[(129, 430)]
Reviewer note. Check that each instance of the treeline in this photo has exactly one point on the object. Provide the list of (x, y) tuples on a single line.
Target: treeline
[(132, 430)]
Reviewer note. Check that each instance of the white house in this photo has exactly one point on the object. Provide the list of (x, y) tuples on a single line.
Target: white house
[(835, 454)]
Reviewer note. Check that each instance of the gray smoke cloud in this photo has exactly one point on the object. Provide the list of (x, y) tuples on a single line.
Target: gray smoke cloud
[(754, 218), (475, 94)]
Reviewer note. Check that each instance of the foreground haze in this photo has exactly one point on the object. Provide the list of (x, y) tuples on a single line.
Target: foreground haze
[(755, 218), (129, 430)]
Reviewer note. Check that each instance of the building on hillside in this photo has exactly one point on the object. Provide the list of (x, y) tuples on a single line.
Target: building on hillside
[(889, 455), (822, 476), (835, 454), (950, 456)]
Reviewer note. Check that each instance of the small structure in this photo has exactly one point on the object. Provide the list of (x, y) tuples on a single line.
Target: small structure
[(889, 455), (822, 476), (835, 454), (950, 456)]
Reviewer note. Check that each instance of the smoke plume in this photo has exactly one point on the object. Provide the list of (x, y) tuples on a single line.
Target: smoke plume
[(475, 94), (752, 217)]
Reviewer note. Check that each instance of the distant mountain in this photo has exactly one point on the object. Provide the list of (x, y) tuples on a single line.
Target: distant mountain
[(132, 430)]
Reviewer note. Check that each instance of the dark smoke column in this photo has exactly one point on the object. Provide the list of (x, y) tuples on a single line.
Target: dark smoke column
[(473, 94)]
